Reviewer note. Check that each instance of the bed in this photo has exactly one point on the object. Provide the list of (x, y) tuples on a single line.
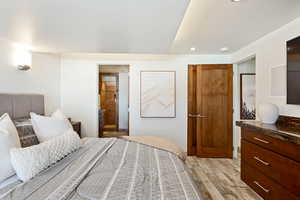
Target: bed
[(107, 168)]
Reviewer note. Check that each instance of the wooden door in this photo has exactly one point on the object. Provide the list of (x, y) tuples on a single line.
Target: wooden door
[(210, 111), (109, 100)]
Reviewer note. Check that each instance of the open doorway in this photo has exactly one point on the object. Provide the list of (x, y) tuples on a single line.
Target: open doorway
[(113, 100), (245, 96)]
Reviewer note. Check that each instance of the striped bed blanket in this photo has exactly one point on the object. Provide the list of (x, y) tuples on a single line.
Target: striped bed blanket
[(112, 169)]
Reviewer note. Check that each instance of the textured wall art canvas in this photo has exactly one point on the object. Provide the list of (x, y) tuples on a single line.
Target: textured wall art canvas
[(158, 94), (248, 96)]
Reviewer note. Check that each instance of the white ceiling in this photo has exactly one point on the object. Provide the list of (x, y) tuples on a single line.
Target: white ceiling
[(106, 26), (142, 26), (210, 25)]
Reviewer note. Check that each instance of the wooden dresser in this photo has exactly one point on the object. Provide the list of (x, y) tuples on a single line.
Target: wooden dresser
[(270, 160)]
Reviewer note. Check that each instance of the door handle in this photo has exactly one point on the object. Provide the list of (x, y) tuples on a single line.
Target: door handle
[(197, 116)]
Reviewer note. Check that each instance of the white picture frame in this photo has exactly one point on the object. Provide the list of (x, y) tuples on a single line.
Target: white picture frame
[(158, 94)]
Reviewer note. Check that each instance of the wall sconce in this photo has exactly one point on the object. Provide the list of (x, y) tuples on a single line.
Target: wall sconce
[(23, 58), (24, 67)]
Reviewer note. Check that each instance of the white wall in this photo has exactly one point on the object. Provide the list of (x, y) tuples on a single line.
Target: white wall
[(123, 100), (43, 78), (270, 51), (80, 88)]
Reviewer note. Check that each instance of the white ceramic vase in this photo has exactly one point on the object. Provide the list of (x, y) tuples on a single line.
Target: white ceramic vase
[(268, 113)]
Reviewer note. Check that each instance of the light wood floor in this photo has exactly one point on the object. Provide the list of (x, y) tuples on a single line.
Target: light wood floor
[(114, 133), (219, 179)]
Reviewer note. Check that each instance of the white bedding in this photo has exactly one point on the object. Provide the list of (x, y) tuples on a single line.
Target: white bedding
[(110, 169), (30, 161)]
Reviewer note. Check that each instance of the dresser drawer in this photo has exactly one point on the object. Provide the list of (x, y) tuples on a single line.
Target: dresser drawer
[(284, 171), (282, 147), (263, 185)]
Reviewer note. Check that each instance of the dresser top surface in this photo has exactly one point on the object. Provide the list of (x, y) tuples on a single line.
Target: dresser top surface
[(283, 132)]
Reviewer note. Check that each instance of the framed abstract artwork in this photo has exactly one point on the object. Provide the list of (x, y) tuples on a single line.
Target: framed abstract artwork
[(248, 96), (158, 94)]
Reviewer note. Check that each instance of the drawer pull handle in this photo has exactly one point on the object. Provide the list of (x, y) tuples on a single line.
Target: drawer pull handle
[(260, 140), (261, 161), (261, 187)]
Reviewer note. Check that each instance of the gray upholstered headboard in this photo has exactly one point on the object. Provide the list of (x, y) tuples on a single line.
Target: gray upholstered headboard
[(20, 105)]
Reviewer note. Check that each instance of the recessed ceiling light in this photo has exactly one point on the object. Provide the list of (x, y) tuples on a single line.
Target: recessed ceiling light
[(235, 0), (193, 49), (224, 49)]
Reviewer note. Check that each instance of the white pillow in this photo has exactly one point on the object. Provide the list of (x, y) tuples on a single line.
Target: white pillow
[(30, 161), (58, 114), (9, 138), (46, 128)]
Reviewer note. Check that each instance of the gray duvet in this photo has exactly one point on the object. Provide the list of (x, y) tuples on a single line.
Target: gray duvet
[(112, 169)]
